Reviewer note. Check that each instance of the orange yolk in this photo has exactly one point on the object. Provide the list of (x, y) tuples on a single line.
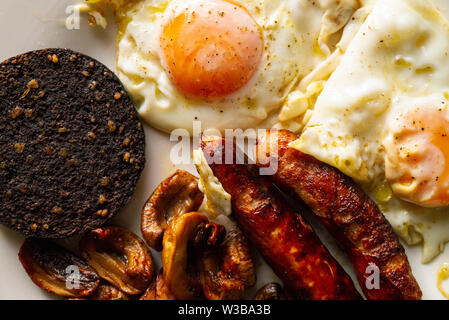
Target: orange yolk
[(212, 48), (417, 162)]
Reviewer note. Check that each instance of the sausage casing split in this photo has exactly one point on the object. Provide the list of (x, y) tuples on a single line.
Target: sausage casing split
[(348, 214), (285, 240)]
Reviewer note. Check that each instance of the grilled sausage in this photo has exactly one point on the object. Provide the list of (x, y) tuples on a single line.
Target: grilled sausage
[(285, 240), (349, 215)]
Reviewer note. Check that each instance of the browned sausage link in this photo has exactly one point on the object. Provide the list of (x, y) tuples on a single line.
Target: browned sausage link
[(348, 213), (285, 240)]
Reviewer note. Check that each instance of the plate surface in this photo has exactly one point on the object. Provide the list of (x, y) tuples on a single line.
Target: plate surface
[(27, 25)]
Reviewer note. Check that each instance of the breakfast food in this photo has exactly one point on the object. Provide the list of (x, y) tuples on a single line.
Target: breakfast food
[(179, 273), (107, 292), (201, 260), (175, 196), (120, 257), (270, 291), (72, 146), (158, 290), (52, 268), (382, 118), (442, 276), (226, 270), (349, 215), (122, 261), (228, 64), (285, 240), (217, 200), (362, 83)]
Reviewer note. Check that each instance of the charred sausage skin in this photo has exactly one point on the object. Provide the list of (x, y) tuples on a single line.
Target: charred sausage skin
[(348, 214), (285, 240)]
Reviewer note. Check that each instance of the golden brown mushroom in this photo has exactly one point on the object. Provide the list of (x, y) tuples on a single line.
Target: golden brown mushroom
[(237, 259), (56, 270), (227, 270), (197, 263), (178, 274), (175, 196), (120, 257), (158, 290), (150, 293), (190, 229), (106, 291)]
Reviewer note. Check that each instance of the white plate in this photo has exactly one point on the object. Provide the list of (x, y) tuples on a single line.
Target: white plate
[(27, 25)]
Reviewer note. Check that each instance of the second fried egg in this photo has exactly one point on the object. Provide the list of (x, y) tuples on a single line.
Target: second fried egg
[(227, 64), (383, 118)]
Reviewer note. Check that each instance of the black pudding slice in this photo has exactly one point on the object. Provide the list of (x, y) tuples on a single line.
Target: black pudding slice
[(72, 147)]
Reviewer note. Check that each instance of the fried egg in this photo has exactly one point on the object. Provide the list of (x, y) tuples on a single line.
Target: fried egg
[(225, 63), (217, 200), (383, 118)]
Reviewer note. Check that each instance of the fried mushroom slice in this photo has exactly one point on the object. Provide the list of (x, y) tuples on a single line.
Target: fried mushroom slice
[(190, 229), (270, 291), (227, 270), (175, 196), (57, 270), (106, 291), (158, 290), (120, 257), (150, 293), (237, 259)]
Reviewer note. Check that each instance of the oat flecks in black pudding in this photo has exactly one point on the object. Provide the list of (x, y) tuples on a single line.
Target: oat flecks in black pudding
[(72, 147)]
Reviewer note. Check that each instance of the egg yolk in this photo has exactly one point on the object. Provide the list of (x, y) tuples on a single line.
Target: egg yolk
[(417, 157), (211, 48)]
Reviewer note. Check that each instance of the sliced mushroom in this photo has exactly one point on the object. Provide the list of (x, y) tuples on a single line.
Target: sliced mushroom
[(106, 291), (162, 291), (270, 291), (227, 270), (215, 283), (175, 196), (179, 272), (237, 259), (57, 270), (150, 293), (120, 257), (158, 290)]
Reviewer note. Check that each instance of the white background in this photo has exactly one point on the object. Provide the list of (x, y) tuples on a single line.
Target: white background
[(34, 24)]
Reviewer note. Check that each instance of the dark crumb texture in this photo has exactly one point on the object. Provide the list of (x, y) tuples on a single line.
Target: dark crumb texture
[(72, 147)]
